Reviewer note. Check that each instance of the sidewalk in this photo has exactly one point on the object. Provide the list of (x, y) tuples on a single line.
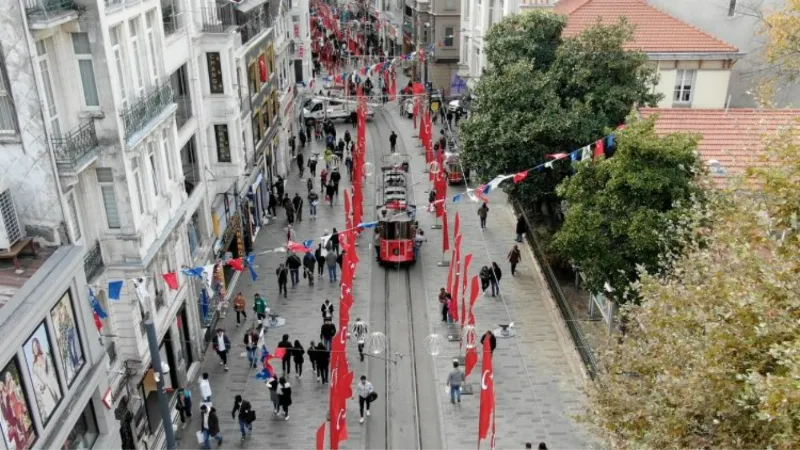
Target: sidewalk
[(303, 319), (537, 373)]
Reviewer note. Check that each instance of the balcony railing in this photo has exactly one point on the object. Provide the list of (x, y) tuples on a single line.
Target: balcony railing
[(111, 351), (142, 111), (255, 25), (221, 18), (184, 111), (45, 10), (71, 148), (93, 262)]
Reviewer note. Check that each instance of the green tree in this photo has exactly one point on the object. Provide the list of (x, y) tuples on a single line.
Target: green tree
[(620, 208), (542, 94), (711, 358), (782, 31)]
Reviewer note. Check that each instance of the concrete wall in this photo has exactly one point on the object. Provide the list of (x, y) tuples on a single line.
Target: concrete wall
[(740, 30)]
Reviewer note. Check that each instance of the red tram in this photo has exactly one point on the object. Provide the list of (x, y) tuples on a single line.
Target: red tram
[(396, 226)]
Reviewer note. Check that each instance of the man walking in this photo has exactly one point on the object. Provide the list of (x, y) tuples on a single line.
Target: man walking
[(330, 261), (514, 257), (327, 310), (312, 166), (313, 200), (260, 307), (335, 241), (455, 380), (323, 356), (240, 306), (301, 163), (294, 263), (221, 345), (360, 331), (205, 388), (308, 267), (336, 177), (522, 227), (365, 397), (210, 426), (283, 276), (393, 141), (286, 344), (483, 212), (251, 345), (297, 203), (245, 411), (326, 332)]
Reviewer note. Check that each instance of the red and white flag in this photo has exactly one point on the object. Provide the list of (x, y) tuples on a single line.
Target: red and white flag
[(487, 392), (467, 262)]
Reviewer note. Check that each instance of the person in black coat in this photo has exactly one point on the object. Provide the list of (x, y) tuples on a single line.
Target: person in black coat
[(308, 267), (301, 164), (326, 332), (294, 263), (335, 241), (284, 396), (297, 204), (320, 260), (335, 178), (323, 357), (498, 274), (279, 186), (287, 357), (492, 340), (245, 421), (283, 275), (522, 227), (330, 191), (297, 356), (312, 358), (209, 425), (273, 202), (486, 275)]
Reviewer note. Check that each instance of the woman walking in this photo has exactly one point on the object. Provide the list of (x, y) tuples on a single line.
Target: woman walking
[(240, 306), (312, 356), (285, 396), (272, 384), (514, 256), (498, 274), (297, 355)]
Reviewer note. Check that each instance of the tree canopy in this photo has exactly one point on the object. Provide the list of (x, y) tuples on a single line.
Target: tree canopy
[(712, 354), (619, 210), (542, 94), (782, 30)]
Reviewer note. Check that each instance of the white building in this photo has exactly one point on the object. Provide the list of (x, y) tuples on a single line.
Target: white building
[(146, 133), (694, 67)]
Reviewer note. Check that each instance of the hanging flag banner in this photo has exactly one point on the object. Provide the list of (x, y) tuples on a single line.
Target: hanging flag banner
[(115, 290), (171, 279)]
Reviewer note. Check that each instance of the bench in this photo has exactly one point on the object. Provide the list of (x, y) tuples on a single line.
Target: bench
[(16, 249)]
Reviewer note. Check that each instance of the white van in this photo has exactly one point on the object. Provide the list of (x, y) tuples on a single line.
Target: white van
[(319, 108)]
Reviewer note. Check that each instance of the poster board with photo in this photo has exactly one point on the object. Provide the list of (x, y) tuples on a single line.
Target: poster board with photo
[(42, 370), (16, 423), (69, 348)]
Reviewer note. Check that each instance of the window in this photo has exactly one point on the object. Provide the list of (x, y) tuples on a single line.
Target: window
[(50, 110), (465, 10), (465, 51), (223, 145), (75, 225), (683, 87), (151, 44), (137, 180), (83, 53), (105, 179), (119, 61), (253, 71), (8, 114), (136, 59), (448, 36), (491, 15), (84, 433), (256, 129), (450, 5), (732, 8), (152, 155), (215, 73), (168, 153)]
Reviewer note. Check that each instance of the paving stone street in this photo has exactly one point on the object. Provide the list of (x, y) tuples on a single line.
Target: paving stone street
[(537, 373)]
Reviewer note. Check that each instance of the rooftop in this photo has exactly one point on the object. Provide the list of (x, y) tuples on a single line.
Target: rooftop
[(12, 278), (732, 140), (655, 32)]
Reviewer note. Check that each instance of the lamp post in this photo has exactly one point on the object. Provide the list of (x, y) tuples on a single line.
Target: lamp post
[(160, 369)]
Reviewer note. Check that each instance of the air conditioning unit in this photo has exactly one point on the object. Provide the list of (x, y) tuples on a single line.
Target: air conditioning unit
[(10, 232)]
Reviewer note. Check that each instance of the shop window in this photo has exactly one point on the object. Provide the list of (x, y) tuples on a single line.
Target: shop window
[(84, 433), (223, 145), (215, 73), (253, 71)]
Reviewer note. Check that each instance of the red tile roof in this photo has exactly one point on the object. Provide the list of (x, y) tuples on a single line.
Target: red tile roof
[(656, 31), (731, 140)]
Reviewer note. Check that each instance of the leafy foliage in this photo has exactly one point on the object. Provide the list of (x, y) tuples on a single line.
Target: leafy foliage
[(542, 94), (712, 355), (782, 30), (620, 208)]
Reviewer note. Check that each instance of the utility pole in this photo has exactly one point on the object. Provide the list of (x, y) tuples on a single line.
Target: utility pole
[(163, 403)]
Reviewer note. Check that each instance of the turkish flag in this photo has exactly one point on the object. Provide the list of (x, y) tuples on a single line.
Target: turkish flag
[(450, 274), (457, 227), (321, 437), (487, 391), (171, 278), (456, 285), (445, 235), (347, 210), (467, 262), (521, 176), (236, 263), (471, 360), (474, 293), (441, 192)]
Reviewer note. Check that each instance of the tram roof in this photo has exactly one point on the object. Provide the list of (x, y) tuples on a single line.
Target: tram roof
[(395, 215)]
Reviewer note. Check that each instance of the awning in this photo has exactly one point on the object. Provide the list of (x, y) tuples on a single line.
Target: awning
[(246, 6)]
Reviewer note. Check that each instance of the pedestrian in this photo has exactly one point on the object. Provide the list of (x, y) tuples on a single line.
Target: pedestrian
[(522, 227), (431, 199), (326, 332), (354, 119), (293, 144), (419, 239), (360, 331), (205, 388), (330, 261), (528, 445), (340, 259), (290, 233), (483, 212), (485, 275), (240, 306), (272, 385), (319, 254), (272, 202), (286, 344), (335, 178), (308, 267), (279, 187), (210, 426), (313, 200), (492, 340), (393, 141), (297, 203), (347, 138), (285, 396), (444, 300), (251, 345), (327, 310), (289, 211), (246, 415), (301, 166), (298, 358), (497, 275), (330, 192), (221, 345), (294, 263), (260, 308), (455, 380), (184, 405), (365, 396), (312, 166), (323, 360), (514, 257), (310, 185), (542, 446), (308, 133), (283, 275), (302, 139), (348, 163), (323, 179), (335, 241)]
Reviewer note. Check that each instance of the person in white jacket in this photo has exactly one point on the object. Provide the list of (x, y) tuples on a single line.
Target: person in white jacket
[(364, 392), (205, 388)]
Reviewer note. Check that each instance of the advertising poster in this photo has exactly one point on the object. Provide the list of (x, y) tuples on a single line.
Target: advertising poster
[(39, 358), (16, 423), (68, 340)]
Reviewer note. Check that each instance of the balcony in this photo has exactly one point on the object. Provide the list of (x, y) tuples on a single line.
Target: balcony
[(222, 18), (144, 110), (93, 262), (43, 14), (76, 150)]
